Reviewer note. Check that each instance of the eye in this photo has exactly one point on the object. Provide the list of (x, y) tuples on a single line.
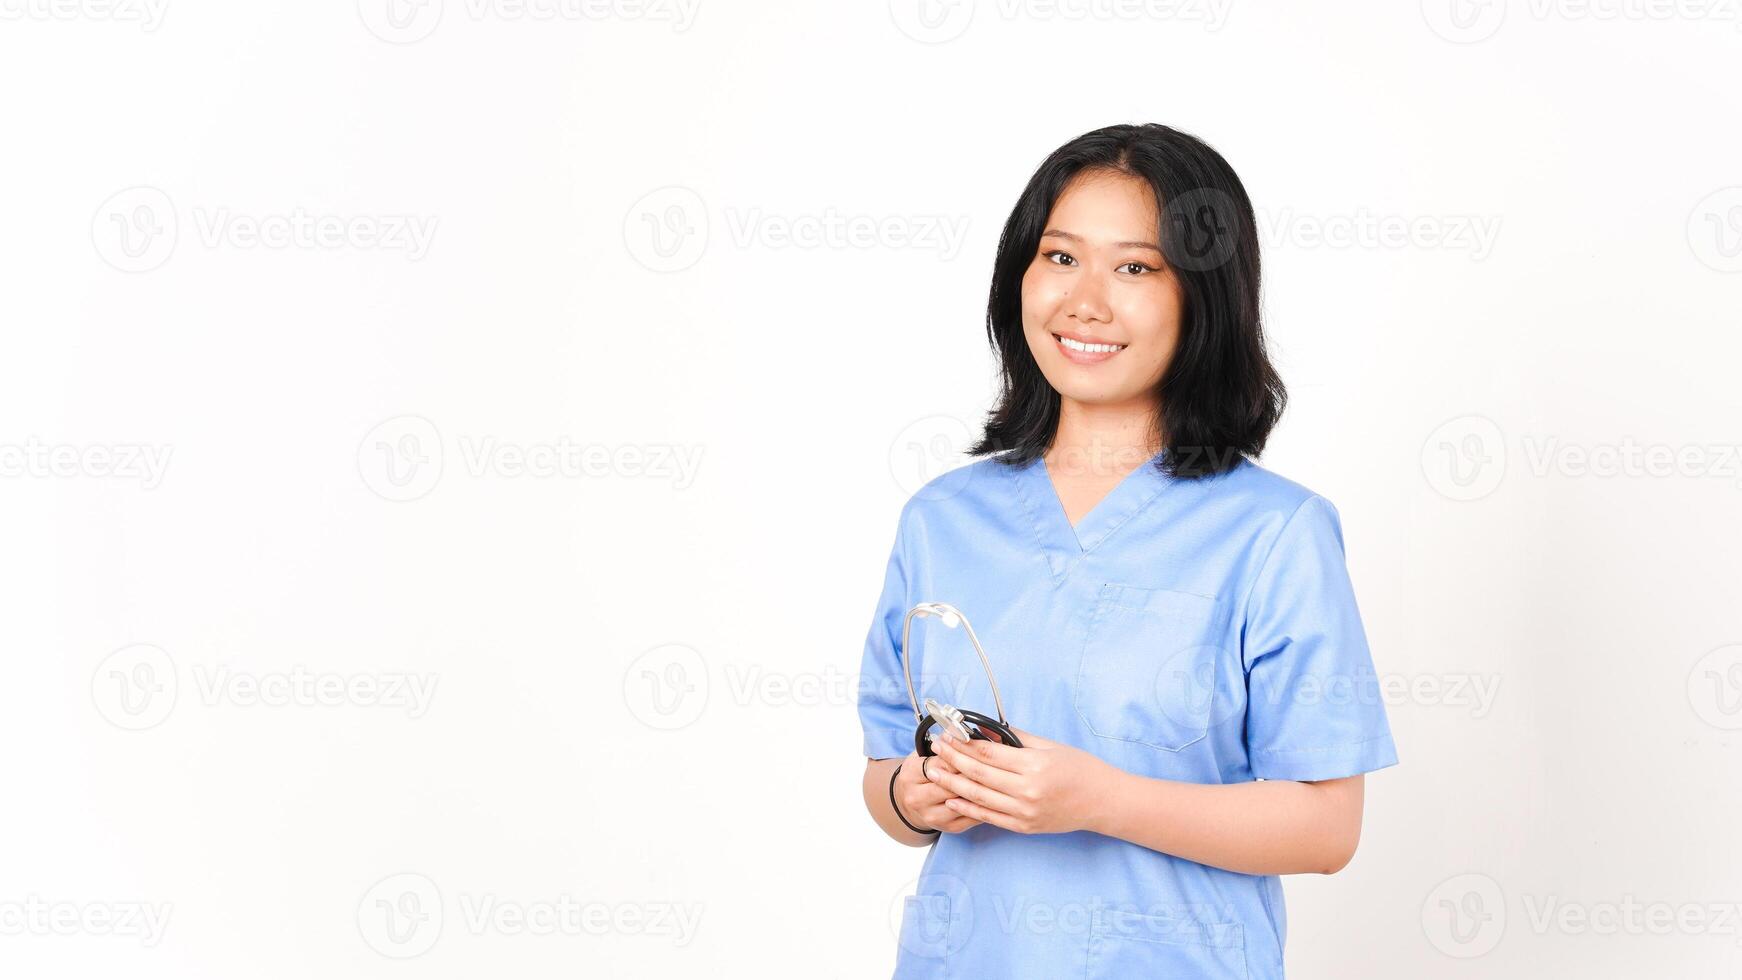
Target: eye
[(1059, 258), (1136, 268)]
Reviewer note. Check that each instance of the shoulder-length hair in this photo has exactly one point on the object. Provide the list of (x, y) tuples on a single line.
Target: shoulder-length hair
[(1220, 396)]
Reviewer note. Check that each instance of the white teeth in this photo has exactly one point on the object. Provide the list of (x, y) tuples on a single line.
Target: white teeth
[(1090, 348)]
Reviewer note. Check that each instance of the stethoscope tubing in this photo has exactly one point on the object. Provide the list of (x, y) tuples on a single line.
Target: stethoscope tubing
[(946, 612), (922, 745)]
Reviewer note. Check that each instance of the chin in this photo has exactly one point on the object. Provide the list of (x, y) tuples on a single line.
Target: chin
[(1094, 394)]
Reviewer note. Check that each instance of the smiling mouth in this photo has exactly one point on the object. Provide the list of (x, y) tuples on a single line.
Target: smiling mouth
[(1084, 352)]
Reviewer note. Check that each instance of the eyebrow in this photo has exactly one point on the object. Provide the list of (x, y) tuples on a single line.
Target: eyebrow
[(1055, 233)]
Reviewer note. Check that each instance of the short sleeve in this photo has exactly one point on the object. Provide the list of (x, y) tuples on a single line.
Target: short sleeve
[(885, 713), (1314, 705)]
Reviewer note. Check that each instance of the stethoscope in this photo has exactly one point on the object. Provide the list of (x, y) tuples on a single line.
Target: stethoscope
[(960, 723)]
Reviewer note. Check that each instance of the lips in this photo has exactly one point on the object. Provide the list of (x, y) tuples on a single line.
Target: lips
[(1084, 350)]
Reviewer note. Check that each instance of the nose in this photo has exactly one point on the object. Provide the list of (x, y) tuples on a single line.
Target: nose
[(1087, 300)]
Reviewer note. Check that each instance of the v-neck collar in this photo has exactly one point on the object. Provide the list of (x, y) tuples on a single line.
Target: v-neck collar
[(1064, 545)]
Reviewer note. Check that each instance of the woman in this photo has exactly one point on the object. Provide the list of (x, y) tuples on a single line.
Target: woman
[(1171, 626)]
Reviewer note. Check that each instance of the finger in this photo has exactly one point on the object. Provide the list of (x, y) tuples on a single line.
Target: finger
[(985, 795), (910, 771), (1002, 756), (928, 794), (992, 777), (923, 772), (953, 822), (916, 791), (936, 764), (941, 817), (1032, 741), (971, 809)]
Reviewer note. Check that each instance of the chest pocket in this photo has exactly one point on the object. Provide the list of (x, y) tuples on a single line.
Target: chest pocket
[(1149, 666)]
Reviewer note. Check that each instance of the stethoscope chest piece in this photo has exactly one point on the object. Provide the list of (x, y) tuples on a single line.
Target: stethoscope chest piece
[(939, 720)]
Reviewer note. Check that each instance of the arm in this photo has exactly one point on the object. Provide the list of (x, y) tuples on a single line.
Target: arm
[(1266, 827), (921, 801), (1270, 827)]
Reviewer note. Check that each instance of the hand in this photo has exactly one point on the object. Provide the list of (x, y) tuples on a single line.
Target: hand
[(1042, 788), (922, 800)]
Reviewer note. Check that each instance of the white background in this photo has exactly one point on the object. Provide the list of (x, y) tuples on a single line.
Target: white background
[(643, 675)]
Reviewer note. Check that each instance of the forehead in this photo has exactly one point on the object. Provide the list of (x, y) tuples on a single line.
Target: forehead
[(1107, 205)]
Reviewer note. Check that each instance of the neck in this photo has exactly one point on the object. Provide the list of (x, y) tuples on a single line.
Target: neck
[(1106, 438)]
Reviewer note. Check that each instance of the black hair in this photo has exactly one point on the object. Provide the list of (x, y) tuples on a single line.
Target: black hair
[(1220, 396)]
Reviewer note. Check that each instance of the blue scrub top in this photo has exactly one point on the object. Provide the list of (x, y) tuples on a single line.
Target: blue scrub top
[(1193, 629)]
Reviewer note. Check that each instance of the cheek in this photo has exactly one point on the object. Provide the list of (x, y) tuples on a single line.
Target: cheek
[(1153, 318), (1040, 298)]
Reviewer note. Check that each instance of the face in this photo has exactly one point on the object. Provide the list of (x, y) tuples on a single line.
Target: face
[(1100, 308)]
